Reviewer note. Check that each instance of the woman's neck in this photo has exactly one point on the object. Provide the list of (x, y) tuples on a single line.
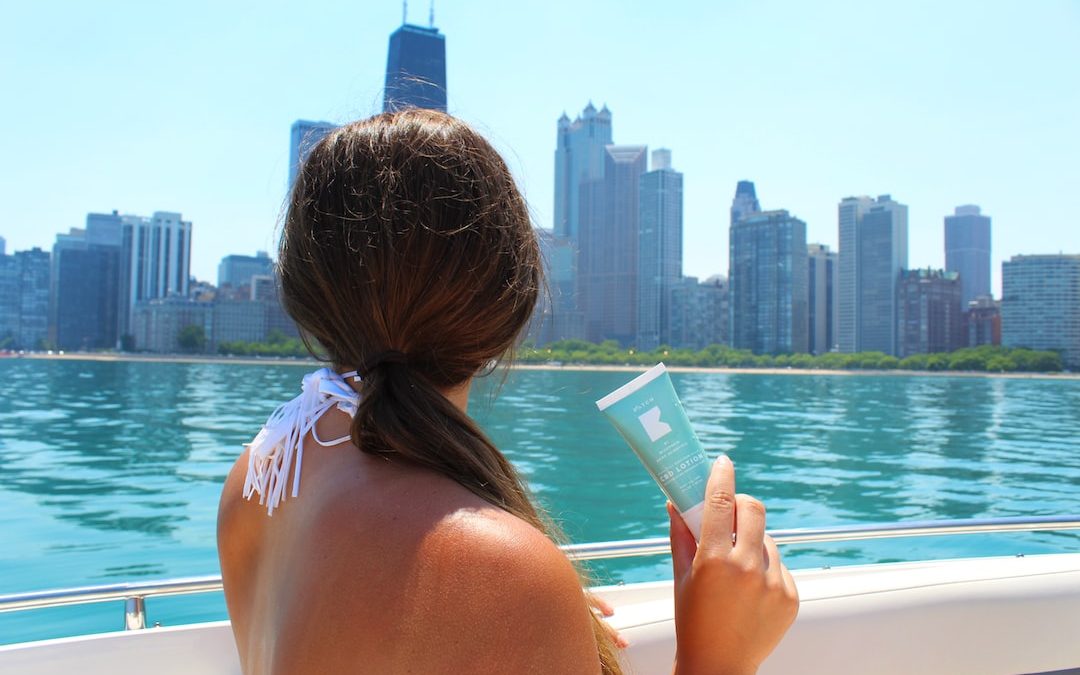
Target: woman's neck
[(459, 395)]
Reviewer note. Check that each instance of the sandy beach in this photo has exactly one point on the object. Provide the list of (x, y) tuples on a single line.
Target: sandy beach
[(309, 363)]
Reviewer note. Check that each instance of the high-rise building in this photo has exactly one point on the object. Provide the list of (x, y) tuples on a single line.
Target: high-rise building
[(660, 250), (873, 250), (745, 202), (157, 259), (3, 246), (34, 269), (237, 270), (87, 284), (303, 136), (579, 160), (416, 69), (883, 239), (75, 238), (88, 296), (24, 299), (10, 293), (967, 251), (983, 321), (1040, 304), (768, 283), (101, 272), (699, 313), (579, 170), (822, 271), (929, 315), (9, 301), (608, 261), (850, 213)]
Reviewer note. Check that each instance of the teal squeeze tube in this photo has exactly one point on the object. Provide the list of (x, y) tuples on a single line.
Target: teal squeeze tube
[(651, 418)]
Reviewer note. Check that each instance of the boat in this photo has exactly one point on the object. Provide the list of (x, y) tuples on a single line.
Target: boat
[(985, 616)]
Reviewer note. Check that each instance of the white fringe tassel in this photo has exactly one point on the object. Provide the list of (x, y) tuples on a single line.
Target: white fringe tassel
[(272, 451)]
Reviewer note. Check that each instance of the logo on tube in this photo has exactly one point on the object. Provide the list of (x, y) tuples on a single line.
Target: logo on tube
[(653, 425)]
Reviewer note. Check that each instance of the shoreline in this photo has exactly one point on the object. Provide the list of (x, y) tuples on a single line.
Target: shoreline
[(581, 367)]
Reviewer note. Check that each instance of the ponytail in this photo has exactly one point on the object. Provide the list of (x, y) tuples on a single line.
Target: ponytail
[(406, 230), (402, 413)]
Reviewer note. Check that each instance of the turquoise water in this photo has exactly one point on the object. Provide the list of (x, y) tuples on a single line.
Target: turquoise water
[(111, 471)]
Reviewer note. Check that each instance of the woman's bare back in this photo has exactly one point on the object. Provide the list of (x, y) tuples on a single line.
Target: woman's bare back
[(382, 567)]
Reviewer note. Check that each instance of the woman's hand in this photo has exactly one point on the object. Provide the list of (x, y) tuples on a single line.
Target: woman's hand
[(734, 599), (604, 609)]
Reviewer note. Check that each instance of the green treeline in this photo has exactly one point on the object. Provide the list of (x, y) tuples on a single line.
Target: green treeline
[(980, 359), (984, 359), (277, 344)]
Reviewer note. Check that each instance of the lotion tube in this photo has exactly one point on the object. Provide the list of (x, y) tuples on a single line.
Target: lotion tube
[(651, 418)]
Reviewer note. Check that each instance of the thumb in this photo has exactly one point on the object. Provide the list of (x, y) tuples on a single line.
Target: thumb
[(683, 545)]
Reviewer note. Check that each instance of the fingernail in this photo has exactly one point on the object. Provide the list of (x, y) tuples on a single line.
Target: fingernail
[(724, 458)]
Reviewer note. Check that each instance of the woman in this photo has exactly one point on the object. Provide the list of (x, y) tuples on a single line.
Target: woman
[(408, 257)]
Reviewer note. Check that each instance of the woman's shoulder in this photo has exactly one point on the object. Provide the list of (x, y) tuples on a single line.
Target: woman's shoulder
[(446, 528), (493, 592), (500, 596), (408, 558)]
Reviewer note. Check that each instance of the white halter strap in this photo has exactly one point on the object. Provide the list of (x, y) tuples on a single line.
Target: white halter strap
[(271, 452)]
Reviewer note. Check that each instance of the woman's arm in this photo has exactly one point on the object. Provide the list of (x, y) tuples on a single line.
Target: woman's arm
[(734, 598)]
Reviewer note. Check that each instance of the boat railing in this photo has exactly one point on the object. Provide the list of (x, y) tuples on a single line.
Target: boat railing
[(134, 594)]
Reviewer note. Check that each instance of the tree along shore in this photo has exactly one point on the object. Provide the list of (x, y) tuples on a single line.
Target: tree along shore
[(987, 358)]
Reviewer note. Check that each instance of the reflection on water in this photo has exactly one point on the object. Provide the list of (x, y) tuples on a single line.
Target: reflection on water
[(819, 450), (111, 470)]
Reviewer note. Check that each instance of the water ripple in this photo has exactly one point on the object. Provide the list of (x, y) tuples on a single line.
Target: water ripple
[(112, 470)]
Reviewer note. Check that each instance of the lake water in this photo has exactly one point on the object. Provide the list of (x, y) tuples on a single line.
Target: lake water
[(110, 471)]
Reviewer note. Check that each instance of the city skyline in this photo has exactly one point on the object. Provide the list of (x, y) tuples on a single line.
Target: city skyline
[(996, 110)]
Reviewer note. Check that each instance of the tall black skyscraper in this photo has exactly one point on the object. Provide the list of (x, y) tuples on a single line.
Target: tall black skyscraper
[(416, 69)]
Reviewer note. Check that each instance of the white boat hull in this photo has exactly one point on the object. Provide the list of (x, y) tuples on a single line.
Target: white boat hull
[(979, 616)]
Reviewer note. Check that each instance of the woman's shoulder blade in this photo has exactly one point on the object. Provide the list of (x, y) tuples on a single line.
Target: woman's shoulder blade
[(479, 582)]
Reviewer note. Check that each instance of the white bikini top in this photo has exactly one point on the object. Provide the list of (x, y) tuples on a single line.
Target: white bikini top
[(281, 440)]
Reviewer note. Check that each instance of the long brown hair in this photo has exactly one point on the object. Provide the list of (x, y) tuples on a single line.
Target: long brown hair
[(408, 253)]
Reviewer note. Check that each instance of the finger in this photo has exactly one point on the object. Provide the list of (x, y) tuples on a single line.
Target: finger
[(600, 605), (750, 521), (616, 637), (718, 521), (683, 546)]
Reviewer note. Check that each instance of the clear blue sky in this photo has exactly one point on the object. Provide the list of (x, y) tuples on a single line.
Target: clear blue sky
[(187, 105)]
